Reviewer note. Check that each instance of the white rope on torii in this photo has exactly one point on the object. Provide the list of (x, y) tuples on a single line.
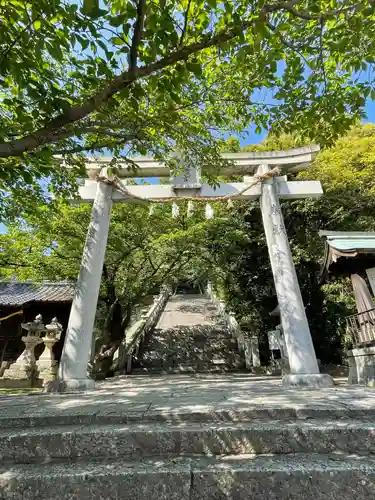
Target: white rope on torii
[(121, 187)]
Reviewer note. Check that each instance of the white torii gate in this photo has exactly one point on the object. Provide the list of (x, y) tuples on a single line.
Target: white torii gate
[(302, 359)]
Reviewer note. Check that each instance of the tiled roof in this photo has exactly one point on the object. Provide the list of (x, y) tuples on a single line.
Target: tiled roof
[(350, 241), (13, 293), (344, 246)]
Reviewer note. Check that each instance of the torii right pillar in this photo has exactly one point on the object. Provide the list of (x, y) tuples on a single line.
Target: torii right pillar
[(304, 370)]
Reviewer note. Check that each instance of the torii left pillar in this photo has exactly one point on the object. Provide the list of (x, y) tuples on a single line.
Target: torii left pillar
[(72, 375)]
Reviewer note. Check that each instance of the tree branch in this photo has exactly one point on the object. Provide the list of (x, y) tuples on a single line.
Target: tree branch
[(50, 132), (66, 257), (110, 133), (287, 44), (107, 125), (186, 20), (6, 51), (290, 7), (137, 35), (321, 54), (7, 263), (96, 145), (150, 261)]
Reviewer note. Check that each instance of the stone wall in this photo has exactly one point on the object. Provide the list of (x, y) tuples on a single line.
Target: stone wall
[(361, 362)]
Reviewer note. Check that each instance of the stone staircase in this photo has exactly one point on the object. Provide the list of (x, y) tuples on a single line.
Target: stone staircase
[(189, 338), (261, 453)]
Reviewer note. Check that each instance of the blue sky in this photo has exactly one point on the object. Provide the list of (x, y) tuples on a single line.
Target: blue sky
[(370, 110), (254, 138)]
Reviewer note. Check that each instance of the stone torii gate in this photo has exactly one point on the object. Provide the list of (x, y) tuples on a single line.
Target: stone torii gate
[(102, 192)]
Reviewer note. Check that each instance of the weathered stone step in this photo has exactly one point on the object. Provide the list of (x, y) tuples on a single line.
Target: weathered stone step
[(298, 477), (195, 332), (160, 369), (209, 344), (190, 361), (195, 352), (138, 441), (114, 415)]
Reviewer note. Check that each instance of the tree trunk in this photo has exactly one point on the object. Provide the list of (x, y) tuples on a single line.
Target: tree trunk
[(115, 324)]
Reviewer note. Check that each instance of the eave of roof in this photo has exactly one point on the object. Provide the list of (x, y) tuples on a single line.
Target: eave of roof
[(348, 244), (15, 293)]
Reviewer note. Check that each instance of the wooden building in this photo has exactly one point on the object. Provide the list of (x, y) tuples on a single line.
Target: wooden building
[(352, 254), (21, 302)]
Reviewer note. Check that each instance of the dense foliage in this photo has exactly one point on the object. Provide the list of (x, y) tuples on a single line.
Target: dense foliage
[(139, 76), (347, 172), (146, 250)]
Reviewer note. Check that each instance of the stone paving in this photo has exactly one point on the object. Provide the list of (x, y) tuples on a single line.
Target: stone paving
[(140, 397), (187, 310)]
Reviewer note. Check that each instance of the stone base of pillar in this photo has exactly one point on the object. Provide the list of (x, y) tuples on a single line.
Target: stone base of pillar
[(307, 380), (20, 383), (4, 366), (70, 385)]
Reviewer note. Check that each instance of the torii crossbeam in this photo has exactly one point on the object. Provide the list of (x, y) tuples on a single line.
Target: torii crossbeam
[(188, 184)]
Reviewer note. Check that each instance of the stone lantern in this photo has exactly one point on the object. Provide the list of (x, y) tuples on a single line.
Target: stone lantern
[(47, 364), (25, 371)]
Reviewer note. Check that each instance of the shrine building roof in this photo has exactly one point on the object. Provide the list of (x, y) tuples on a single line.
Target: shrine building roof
[(15, 293), (347, 252)]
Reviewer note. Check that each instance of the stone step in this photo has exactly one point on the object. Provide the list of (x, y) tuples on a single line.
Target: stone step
[(210, 342), (123, 413), (185, 369), (137, 441), (186, 366), (169, 342), (215, 329), (61, 415), (193, 351), (190, 360), (185, 355), (244, 477)]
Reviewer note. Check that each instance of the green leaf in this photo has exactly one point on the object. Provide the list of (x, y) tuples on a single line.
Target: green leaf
[(84, 42), (117, 40), (117, 20), (37, 24), (194, 67), (90, 6), (28, 178)]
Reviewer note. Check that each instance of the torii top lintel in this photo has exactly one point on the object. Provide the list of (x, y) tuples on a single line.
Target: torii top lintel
[(241, 163)]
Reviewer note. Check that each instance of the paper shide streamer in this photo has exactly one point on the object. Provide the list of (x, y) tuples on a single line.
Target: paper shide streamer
[(209, 212), (190, 208), (175, 210)]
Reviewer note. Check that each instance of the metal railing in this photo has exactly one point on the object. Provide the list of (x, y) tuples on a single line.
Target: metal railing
[(360, 327)]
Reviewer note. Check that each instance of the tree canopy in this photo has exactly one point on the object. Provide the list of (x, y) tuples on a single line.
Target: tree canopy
[(140, 76), (146, 250), (143, 252), (346, 171)]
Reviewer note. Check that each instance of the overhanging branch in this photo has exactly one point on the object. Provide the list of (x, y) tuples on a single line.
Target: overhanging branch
[(50, 133), (137, 35)]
